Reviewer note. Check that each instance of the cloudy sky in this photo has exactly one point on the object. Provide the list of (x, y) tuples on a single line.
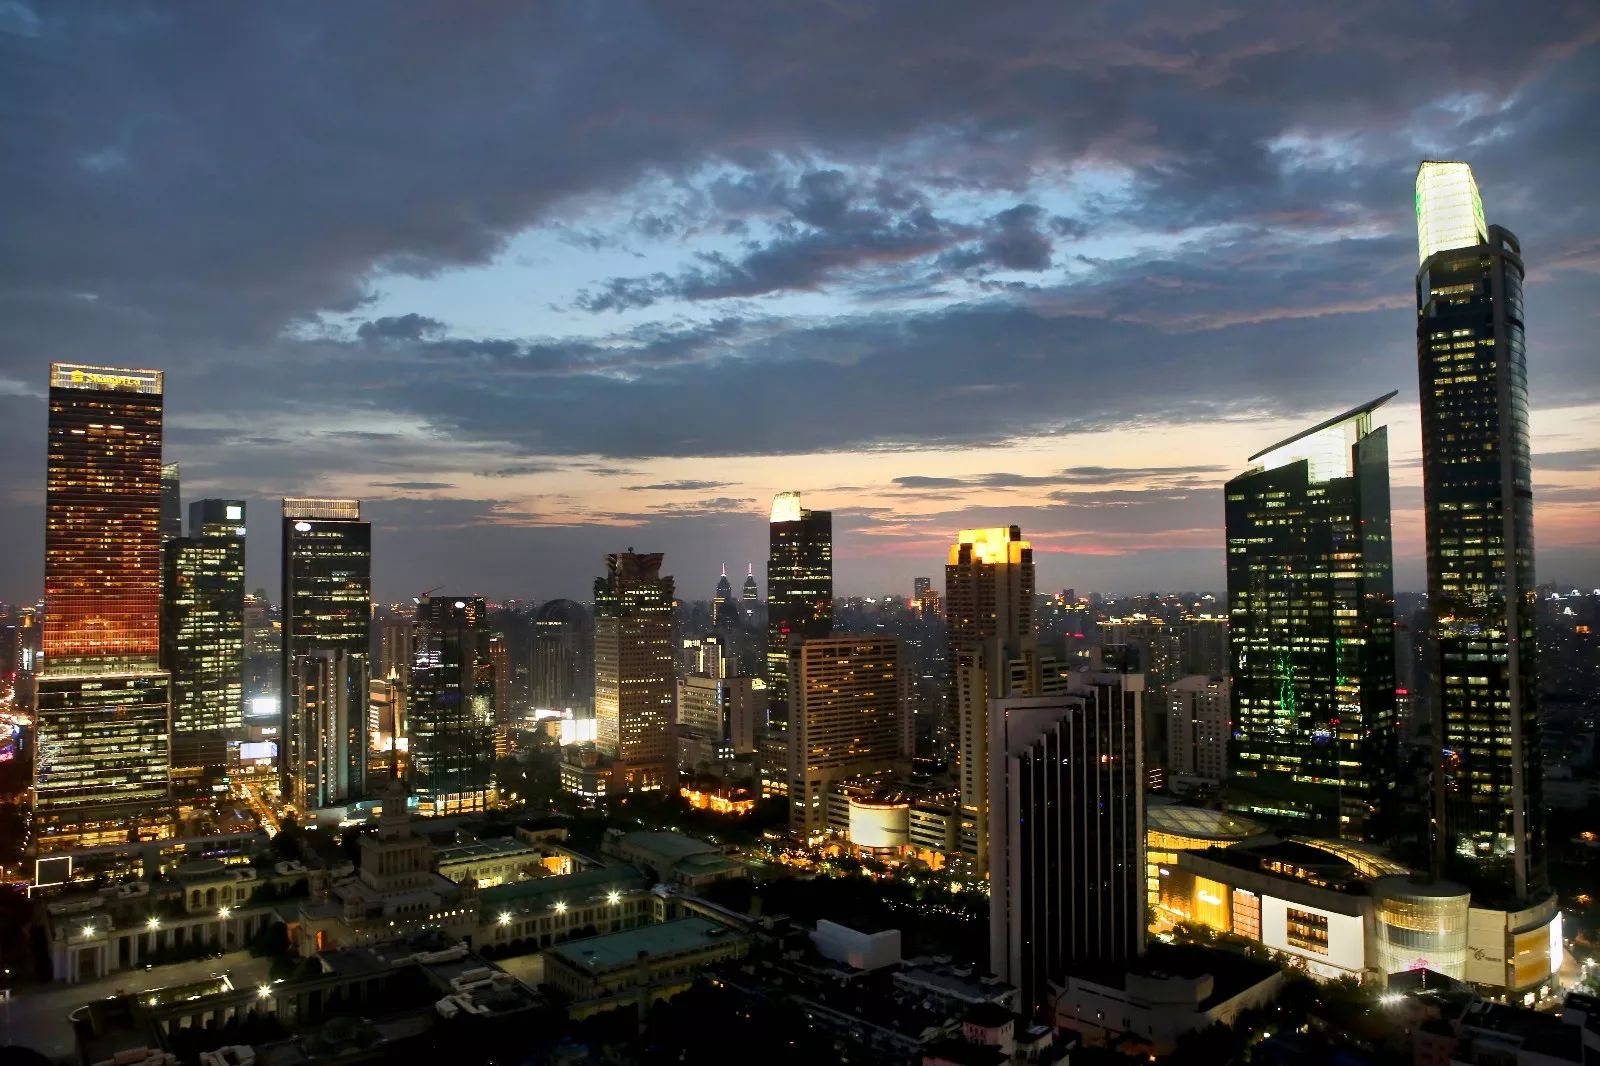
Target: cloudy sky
[(541, 281)]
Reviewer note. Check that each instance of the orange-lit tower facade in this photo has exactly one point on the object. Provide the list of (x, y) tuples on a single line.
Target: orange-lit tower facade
[(103, 698)]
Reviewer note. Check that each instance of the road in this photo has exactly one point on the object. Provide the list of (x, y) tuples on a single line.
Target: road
[(37, 1017)]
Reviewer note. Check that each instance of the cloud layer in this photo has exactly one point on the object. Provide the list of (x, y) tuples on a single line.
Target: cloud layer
[(512, 271)]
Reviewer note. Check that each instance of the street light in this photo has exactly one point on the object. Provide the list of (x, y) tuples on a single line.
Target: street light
[(613, 897), (224, 912), (264, 991), (153, 923), (505, 917), (561, 907)]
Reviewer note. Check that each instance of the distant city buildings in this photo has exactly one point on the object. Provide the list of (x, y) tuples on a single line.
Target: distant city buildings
[(1066, 834), (327, 608), (634, 681), (202, 641), (450, 711), (103, 701), (799, 591), (1311, 624), (847, 716)]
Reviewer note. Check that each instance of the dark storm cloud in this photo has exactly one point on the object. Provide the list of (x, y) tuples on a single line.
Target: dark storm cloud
[(196, 190), (408, 327), (826, 227)]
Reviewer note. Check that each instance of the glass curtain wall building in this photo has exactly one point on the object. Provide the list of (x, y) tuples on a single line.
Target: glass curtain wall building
[(1477, 487), (1311, 627), (451, 709), (327, 607), (799, 592), (202, 641), (102, 697)]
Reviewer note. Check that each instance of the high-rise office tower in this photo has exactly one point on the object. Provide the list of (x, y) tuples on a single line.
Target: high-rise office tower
[(751, 593), (450, 716), (847, 716), (327, 607), (102, 697), (799, 591), (724, 608), (1199, 708), (1311, 627), (993, 669), (1066, 833), (171, 502), (920, 586), (202, 641), (330, 754), (563, 654), (1478, 492), (634, 679), (988, 594), (397, 638)]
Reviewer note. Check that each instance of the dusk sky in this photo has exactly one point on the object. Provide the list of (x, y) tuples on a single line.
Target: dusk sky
[(539, 281)]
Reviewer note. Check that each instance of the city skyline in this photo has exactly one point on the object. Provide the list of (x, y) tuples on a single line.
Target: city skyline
[(947, 310)]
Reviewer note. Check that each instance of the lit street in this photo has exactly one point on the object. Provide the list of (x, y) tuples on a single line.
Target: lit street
[(37, 1017)]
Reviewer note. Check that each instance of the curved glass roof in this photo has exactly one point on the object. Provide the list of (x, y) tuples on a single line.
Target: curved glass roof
[(1200, 822)]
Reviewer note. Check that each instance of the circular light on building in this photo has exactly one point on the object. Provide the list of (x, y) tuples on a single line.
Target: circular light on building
[(302, 527)]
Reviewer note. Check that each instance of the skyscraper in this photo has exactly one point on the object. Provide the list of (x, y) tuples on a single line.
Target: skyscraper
[(847, 716), (327, 607), (751, 594), (993, 669), (328, 752), (102, 697), (799, 591), (1199, 709), (450, 715), (202, 641), (1477, 488), (1311, 626), (1066, 833), (563, 666), (634, 679), (988, 593), (171, 502), (724, 609)]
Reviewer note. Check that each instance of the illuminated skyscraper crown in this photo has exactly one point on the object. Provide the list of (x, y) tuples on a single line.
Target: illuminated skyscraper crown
[(1449, 208)]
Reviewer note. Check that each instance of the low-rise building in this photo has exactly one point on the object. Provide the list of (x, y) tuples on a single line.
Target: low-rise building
[(650, 963), (490, 862), (858, 949), (1340, 910), (1174, 990), (673, 858)]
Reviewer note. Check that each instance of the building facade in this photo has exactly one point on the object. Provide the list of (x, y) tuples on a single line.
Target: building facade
[(1478, 492), (202, 641), (1199, 717), (327, 607), (103, 702), (328, 751), (847, 716), (1311, 626), (450, 713), (799, 591), (988, 594), (1066, 833), (634, 679)]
